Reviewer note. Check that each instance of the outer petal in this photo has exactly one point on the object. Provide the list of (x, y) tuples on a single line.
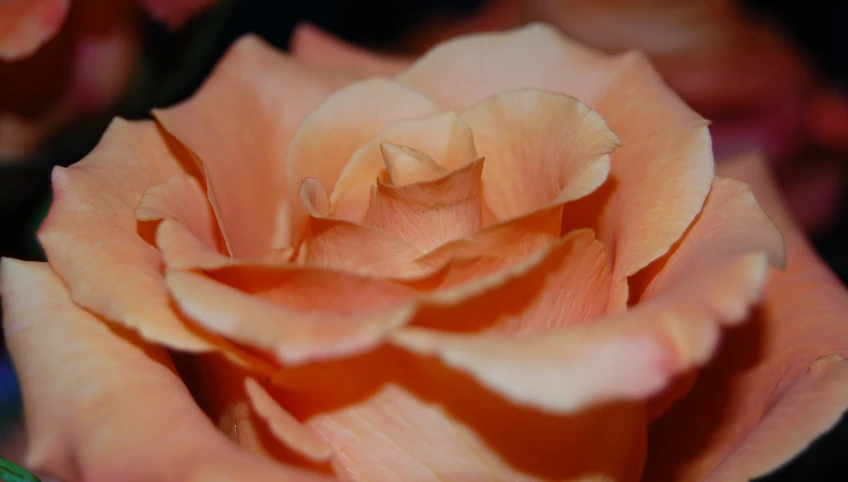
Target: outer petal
[(99, 407), (92, 240), (431, 213), (239, 124), (777, 383), (712, 278), (540, 148), (351, 117), (320, 49), (390, 417), (660, 176), (445, 137), (25, 25)]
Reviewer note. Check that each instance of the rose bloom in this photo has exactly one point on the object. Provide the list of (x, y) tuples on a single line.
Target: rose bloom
[(504, 261)]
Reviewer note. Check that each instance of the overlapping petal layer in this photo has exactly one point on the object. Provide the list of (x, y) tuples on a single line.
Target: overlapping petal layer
[(92, 239), (103, 406)]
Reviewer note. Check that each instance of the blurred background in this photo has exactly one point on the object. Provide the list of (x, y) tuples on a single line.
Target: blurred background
[(771, 75)]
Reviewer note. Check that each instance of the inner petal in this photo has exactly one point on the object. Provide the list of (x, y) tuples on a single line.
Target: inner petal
[(541, 148), (429, 213), (408, 166), (445, 137)]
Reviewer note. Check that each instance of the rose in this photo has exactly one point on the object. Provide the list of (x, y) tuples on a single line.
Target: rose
[(463, 317)]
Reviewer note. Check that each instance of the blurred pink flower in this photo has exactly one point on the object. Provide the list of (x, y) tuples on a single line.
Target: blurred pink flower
[(61, 61)]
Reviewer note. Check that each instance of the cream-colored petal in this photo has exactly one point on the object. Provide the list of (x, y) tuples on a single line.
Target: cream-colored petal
[(284, 426), (300, 314), (320, 49), (777, 383), (348, 120), (239, 125), (429, 214), (25, 25), (101, 406), (540, 148), (444, 137), (91, 235)]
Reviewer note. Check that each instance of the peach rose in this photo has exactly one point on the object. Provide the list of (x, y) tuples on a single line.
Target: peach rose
[(455, 272)]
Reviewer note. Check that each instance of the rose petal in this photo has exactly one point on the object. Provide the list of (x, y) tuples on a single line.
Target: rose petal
[(180, 199), (660, 176), (175, 13), (445, 137), (100, 406), (287, 428), (331, 134), (540, 148), (405, 165), (26, 25), (391, 417), (712, 278), (320, 49), (346, 246), (91, 238), (461, 72), (778, 382), (239, 124), (662, 172), (730, 225), (429, 214), (300, 314)]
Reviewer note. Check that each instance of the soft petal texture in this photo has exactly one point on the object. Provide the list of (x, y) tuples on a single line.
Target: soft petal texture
[(320, 49), (778, 382), (661, 174), (405, 165), (346, 121), (444, 137), (344, 245), (287, 428), (25, 25), (299, 314), (641, 350), (91, 238), (540, 148), (175, 13), (239, 124), (101, 407), (428, 214), (392, 417), (180, 199)]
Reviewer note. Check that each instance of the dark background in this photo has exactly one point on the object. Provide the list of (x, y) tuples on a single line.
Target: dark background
[(174, 64)]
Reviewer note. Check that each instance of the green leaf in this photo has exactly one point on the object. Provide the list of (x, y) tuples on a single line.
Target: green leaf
[(10, 472)]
